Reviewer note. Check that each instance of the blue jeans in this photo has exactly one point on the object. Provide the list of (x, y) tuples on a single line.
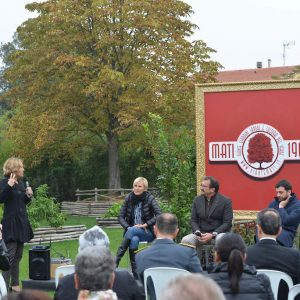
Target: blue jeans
[(136, 235)]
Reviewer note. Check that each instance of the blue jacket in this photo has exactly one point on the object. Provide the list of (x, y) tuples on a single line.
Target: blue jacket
[(166, 253), (290, 217)]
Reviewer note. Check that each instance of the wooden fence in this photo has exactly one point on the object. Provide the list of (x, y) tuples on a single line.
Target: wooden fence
[(86, 208), (106, 194), (50, 234)]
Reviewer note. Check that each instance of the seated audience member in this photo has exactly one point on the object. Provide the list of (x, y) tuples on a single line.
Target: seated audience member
[(192, 287), (124, 285), (288, 207), (27, 295), (94, 274), (268, 254), (164, 252), (238, 280)]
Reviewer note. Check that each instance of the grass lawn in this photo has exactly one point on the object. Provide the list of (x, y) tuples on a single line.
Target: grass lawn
[(69, 249)]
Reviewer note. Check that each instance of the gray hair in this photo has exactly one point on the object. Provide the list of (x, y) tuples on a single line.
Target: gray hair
[(94, 236), (94, 268), (193, 287)]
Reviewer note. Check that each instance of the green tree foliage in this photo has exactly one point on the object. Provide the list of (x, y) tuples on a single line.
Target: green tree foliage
[(45, 208), (86, 73), (174, 156)]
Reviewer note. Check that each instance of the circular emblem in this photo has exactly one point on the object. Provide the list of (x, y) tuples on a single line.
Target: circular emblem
[(260, 150)]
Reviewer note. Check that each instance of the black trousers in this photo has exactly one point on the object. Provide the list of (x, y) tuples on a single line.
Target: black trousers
[(15, 252)]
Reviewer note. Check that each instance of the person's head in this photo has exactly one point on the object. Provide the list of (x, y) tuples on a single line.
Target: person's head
[(166, 226), (140, 185), (209, 186), (231, 248), (27, 295), (268, 223), (94, 236), (193, 287), (14, 165), (283, 190), (94, 269)]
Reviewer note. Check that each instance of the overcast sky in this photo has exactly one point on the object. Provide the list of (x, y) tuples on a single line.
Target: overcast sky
[(242, 31)]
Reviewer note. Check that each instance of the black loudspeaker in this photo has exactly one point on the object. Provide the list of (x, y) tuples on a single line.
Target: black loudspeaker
[(39, 263)]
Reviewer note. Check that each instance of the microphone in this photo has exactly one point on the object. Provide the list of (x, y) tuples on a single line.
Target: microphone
[(29, 194)]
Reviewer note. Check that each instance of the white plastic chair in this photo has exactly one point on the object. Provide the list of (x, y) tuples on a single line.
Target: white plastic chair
[(3, 289), (63, 271), (294, 291), (275, 277), (161, 276)]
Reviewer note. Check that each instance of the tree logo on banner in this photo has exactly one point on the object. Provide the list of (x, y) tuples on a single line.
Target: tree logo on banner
[(260, 150)]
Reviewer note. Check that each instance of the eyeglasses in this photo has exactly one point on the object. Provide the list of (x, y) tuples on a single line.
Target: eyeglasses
[(204, 186)]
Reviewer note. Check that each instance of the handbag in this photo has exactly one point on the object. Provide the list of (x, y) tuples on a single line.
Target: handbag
[(4, 257)]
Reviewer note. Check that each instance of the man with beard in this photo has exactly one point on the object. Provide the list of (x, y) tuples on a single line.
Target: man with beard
[(288, 206)]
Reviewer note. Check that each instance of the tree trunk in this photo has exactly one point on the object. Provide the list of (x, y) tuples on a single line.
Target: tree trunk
[(114, 179)]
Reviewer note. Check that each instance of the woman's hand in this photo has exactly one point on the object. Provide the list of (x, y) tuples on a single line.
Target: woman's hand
[(12, 180), (144, 226), (29, 192)]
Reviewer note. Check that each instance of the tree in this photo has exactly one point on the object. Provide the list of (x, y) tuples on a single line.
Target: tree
[(260, 149), (174, 156), (87, 72)]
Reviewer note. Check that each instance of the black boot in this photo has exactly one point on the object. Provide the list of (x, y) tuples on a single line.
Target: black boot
[(132, 262), (122, 249)]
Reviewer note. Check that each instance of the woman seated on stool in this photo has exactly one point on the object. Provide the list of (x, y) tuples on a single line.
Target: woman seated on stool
[(238, 280), (137, 217)]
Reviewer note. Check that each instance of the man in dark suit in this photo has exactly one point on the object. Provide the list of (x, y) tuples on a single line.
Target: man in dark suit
[(267, 253), (164, 252), (211, 214), (124, 284)]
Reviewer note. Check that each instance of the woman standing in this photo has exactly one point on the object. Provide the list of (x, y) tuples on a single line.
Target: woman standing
[(137, 217), (238, 280), (16, 226)]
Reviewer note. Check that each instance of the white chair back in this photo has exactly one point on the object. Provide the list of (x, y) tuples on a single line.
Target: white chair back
[(3, 289), (294, 291), (161, 276), (62, 271), (275, 277)]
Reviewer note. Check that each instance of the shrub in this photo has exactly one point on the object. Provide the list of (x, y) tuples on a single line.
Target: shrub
[(45, 208)]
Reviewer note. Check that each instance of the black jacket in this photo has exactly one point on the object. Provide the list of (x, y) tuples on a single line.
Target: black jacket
[(252, 286), (16, 226), (268, 254), (219, 218), (124, 286), (150, 210)]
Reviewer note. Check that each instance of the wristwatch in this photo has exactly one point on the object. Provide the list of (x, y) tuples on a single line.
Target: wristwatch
[(214, 234)]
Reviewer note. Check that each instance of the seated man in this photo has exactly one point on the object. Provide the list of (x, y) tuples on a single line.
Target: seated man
[(124, 285), (267, 253), (288, 207), (211, 214), (164, 252)]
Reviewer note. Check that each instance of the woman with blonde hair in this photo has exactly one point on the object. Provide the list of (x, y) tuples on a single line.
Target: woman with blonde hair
[(16, 227), (137, 217)]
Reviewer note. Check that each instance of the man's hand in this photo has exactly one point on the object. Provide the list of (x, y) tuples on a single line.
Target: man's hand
[(282, 204), (205, 238)]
